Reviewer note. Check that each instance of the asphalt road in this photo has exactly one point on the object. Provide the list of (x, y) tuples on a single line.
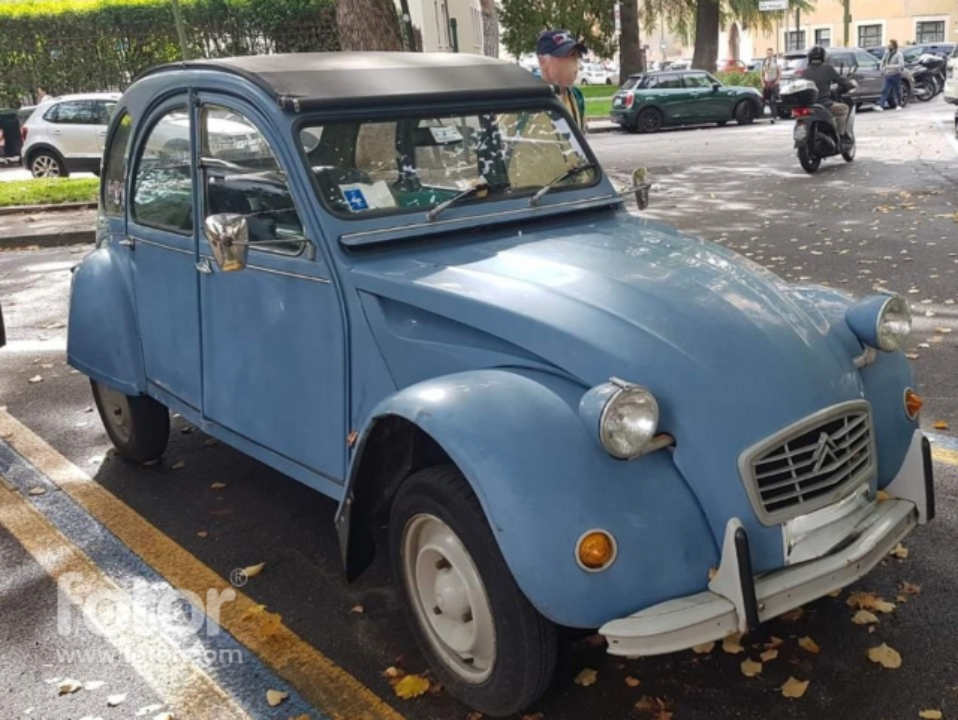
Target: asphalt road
[(850, 226)]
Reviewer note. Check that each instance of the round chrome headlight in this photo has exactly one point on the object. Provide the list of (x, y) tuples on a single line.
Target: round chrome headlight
[(894, 324), (629, 422)]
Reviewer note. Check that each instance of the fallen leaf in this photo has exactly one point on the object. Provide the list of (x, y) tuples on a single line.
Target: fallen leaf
[(704, 648), (93, 684), (769, 655), (712, 573), (411, 686), (357, 609), (930, 714), (36, 379), (885, 656), (794, 688), (68, 686), (151, 463), (883, 496), (275, 697), (869, 601), (269, 624), (910, 588), (147, 709), (35, 491), (252, 612), (863, 617), (806, 643), (179, 466), (202, 533), (732, 644), (750, 668), (209, 442), (475, 715), (254, 570), (586, 677), (218, 485), (393, 672), (900, 552), (632, 681), (793, 615), (164, 716), (114, 700), (939, 424), (534, 716), (774, 642), (943, 330), (835, 594)]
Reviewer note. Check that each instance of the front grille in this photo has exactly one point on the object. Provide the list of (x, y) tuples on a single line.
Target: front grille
[(810, 464)]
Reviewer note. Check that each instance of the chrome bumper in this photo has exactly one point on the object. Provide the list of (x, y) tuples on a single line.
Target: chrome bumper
[(737, 601)]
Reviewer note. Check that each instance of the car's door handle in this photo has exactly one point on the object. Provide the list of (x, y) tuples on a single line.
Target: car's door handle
[(204, 266), (126, 242)]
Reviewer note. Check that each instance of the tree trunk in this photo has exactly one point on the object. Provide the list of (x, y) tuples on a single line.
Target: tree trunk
[(490, 28), (630, 48), (368, 25), (706, 35)]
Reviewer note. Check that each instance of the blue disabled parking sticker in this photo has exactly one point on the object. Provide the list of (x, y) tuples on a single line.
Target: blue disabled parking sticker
[(356, 200)]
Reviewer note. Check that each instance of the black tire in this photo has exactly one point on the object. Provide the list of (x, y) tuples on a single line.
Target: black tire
[(584, 81), (849, 155), (139, 426), (47, 164), (722, 123), (905, 94), (525, 642), (810, 163), (608, 81), (745, 113), (649, 121), (924, 90)]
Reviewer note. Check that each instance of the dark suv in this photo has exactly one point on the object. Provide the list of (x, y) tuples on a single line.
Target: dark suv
[(855, 63)]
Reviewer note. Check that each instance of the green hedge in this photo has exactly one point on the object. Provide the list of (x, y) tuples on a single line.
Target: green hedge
[(86, 45), (741, 79)]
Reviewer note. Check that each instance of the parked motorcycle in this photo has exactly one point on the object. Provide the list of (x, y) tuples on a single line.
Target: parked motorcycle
[(816, 132), (937, 68), (923, 82)]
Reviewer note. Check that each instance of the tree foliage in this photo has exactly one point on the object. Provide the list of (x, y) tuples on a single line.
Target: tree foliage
[(591, 20), (87, 45)]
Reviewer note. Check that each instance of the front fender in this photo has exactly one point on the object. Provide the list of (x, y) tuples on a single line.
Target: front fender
[(102, 338), (543, 481)]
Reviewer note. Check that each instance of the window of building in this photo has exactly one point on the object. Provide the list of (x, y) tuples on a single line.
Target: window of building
[(823, 37), (869, 36), (794, 40), (930, 32)]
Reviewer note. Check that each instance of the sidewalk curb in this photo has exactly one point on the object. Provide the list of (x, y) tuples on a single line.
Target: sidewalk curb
[(28, 209), (66, 237)]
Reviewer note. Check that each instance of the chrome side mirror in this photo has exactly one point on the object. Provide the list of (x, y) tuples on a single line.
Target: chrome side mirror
[(641, 187), (228, 236)]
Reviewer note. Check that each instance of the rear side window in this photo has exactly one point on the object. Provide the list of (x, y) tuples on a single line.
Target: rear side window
[(114, 170), (698, 81), (866, 61), (72, 112), (666, 82), (631, 83)]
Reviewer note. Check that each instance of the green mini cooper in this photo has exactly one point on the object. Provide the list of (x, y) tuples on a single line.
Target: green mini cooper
[(651, 101)]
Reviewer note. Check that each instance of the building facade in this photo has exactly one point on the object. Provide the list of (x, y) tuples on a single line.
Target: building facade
[(448, 25)]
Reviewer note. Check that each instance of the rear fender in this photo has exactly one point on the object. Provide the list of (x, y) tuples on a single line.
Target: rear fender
[(543, 480), (102, 339)]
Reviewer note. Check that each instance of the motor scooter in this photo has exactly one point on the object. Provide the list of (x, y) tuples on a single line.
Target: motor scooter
[(816, 131)]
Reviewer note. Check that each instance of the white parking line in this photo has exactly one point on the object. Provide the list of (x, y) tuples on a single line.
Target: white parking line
[(949, 135)]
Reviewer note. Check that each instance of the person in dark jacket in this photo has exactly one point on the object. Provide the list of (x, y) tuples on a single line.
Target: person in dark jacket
[(824, 75)]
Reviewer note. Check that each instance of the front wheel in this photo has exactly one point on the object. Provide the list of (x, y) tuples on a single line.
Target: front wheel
[(924, 91), (138, 426), (745, 113), (810, 163), (849, 154), (482, 638)]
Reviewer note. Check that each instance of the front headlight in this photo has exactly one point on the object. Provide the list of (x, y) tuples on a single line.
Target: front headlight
[(629, 422), (881, 321)]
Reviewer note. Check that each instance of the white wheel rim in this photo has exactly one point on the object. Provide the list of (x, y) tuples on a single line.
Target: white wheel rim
[(46, 166), (449, 598), (116, 412)]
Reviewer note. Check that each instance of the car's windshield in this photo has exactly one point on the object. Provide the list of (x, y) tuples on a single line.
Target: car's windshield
[(794, 63), (415, 163)]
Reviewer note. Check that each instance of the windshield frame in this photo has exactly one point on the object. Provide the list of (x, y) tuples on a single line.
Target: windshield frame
[(411, 217)]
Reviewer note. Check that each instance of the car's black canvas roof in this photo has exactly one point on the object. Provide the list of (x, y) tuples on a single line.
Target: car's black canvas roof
[(304, 81)]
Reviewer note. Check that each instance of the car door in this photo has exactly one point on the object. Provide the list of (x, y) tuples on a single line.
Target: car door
[(162, 235), (273, 333), (669, 94), (706, 103), (868, 74), (72, 128)]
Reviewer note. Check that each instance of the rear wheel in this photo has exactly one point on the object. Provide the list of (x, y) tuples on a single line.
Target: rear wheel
[(810, 163), (47, 165), (483, 639), (649, 121), (745, 113), (138, 426)]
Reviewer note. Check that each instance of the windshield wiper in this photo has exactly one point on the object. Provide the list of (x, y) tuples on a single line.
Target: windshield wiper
[(571, 172), (482, 187)]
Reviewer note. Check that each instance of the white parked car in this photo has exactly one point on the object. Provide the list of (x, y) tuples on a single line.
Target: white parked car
[(951, 82), (66, 135), (594, 75)]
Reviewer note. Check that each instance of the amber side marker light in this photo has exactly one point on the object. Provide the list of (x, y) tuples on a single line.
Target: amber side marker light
[(913, 403), (596, 550)]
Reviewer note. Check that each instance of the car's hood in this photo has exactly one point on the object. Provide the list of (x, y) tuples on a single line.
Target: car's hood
[(731, 354)]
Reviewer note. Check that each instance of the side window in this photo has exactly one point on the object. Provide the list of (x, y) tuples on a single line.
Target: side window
[(244, 177), (866, 61), (114, 171), (839, 60), (73, 112), (103, 110), (163, 187), (698, 81), (669, 82)]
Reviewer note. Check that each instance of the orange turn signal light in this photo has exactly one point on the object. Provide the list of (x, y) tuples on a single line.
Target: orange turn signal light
[(913, 403), (596, 550)]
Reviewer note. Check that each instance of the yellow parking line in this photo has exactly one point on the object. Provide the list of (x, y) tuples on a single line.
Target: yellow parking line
[(317, 678), (945, 457), (178, 681)]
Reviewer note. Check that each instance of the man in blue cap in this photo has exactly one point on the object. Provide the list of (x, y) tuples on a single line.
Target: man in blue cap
[(559, 54)]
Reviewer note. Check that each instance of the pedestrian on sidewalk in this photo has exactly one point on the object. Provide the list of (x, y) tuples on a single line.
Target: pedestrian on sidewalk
[(771, 83), (559, 54), (42, 97), (892, 65)]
